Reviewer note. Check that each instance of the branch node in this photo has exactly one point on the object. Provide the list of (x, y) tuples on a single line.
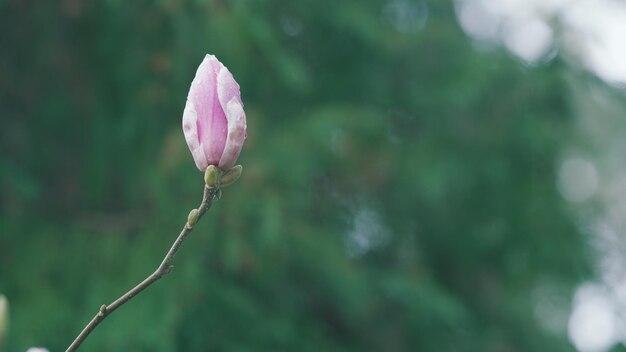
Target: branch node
[(103, 310), (169, 268)]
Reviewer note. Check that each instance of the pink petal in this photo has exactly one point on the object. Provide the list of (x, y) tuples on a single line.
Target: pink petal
[(211, 122), (227, 88), (190, 129), (236, 134)]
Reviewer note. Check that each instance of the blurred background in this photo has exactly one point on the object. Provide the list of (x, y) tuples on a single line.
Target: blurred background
[(419, 175)]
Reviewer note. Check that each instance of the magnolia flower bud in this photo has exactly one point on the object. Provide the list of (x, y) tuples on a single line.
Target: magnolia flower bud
[(4, 317), (214, 122)]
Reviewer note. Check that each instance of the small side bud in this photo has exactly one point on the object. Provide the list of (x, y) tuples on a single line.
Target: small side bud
[(212, 176), (4, 318), (231, 176), (103, 310), (192, 218)]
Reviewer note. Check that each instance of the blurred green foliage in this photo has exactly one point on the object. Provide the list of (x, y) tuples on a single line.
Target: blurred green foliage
[(398, 191)]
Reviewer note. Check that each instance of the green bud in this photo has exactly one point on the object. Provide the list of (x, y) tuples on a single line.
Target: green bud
[(212, 176), (231, 176), (4, 318), (103, 310), (192, 218)]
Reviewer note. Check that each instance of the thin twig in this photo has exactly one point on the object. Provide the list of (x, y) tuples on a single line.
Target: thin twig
[(210, 194)]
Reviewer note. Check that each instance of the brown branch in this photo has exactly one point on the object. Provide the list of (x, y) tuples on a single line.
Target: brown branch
[(210, 195)]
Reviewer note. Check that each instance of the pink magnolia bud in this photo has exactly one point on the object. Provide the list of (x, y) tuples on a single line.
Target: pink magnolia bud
[(214, 122)]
